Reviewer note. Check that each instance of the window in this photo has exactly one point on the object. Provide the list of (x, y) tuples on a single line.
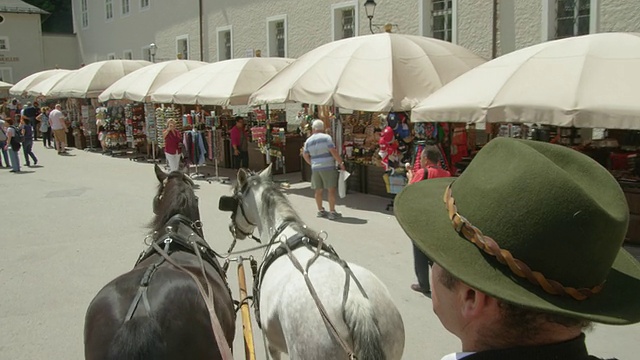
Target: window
[(572, 18), (111, 56), (4, 43), (182, 47), (144, 4), (125, 7), (85, 13), (438, 19), (109, 6), (6, 74), (345, 20), (127, 55), (225, 43), (277, 36), (442, 19)]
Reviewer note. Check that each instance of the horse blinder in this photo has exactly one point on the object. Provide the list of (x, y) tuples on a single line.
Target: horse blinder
[(228, 203)]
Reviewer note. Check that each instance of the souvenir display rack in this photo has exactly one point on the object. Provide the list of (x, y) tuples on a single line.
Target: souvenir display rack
[(135, 127)]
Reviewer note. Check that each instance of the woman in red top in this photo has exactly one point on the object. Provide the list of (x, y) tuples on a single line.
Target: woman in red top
[(429, 169), (172, 145)]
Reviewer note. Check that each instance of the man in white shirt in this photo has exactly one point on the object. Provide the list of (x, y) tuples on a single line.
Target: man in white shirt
[(59, 127)]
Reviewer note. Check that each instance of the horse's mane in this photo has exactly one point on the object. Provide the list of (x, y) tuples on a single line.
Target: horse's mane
[(178, 197), (274, 200)]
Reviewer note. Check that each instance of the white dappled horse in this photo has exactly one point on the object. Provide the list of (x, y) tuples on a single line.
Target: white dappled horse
[(358, 305)]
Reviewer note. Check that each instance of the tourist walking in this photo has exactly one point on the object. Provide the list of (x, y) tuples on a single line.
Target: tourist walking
[(3, 143), (59, 128), (320, 152), (13, 145), (27, 143), (172, 139), (45, 128)]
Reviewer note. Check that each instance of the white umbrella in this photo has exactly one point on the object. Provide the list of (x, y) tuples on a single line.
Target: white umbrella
[(91, 80), (139, 84), (228, 82), (44, 87), (22, 86), (4, 88), (380, 72), (585, 81)]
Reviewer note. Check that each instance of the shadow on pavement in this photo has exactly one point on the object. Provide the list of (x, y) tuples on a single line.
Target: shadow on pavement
[(22, 172), (351, 220), (353, 200)]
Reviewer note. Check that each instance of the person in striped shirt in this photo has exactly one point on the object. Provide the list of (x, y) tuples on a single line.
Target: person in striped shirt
[(320, 152)]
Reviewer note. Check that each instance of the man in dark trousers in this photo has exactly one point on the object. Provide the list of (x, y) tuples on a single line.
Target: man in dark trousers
[(29, 113), (240, 144), (526, 246)]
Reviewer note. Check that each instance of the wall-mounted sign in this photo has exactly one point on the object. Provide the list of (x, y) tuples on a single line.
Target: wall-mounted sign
[(4, 59)]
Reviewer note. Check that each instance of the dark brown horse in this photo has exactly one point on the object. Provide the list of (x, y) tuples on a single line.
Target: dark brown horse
[(157, 311)]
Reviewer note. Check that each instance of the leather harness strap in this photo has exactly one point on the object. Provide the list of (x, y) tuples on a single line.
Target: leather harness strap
[(286, 248), (192, 243), (223, 347)]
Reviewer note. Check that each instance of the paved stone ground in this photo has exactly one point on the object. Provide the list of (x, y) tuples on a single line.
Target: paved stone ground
[(74, 223)]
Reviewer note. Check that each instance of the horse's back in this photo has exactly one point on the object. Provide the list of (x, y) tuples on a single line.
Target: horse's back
[(286, 305), (178, 316)]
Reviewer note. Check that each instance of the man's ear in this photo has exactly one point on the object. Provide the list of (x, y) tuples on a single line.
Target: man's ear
[(475, 304)]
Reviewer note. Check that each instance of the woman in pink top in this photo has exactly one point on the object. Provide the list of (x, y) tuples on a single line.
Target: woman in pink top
[(172, 145)]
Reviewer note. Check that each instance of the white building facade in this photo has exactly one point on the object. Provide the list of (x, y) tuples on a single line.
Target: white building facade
[(222, 29), (21, 51)]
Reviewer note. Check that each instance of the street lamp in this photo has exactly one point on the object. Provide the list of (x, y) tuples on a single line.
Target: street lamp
[(370, 9), (152, 51)]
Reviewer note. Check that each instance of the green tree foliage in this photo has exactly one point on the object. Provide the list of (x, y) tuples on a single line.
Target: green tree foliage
[(60, 19)]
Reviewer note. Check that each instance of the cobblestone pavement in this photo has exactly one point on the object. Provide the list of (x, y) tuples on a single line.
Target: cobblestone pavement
[(75, 222)]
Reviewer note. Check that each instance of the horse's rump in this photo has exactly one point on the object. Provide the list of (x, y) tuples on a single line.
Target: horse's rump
[(178, 314)]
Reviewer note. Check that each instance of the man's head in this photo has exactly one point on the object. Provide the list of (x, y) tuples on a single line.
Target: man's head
[(430, 155), (239, 122), (317, 126), (532, 224), (58, 107), (28, 103)]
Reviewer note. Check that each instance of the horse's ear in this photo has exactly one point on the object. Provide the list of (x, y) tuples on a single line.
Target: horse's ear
[(242, 177), (266, 173), (161, 175)]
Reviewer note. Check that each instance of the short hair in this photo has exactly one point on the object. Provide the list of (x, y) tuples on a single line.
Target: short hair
[(517, 321), (58, 106), (317, 125), (431, 153), (239, 118)]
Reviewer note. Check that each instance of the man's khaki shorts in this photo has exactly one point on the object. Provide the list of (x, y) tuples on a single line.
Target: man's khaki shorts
[(324, 179)]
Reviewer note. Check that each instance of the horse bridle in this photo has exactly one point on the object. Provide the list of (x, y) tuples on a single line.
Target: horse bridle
[(232, 204), (157, 198)]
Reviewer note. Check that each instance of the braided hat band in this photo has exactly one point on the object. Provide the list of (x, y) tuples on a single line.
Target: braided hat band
[(463, 227)]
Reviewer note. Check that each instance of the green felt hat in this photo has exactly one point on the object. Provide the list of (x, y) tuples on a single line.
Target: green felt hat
[(533, 224)]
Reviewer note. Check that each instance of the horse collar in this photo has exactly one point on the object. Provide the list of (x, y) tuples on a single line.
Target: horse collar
[(195, 225)]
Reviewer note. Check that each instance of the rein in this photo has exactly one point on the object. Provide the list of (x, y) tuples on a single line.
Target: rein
[(233, 203), (174, 237)]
